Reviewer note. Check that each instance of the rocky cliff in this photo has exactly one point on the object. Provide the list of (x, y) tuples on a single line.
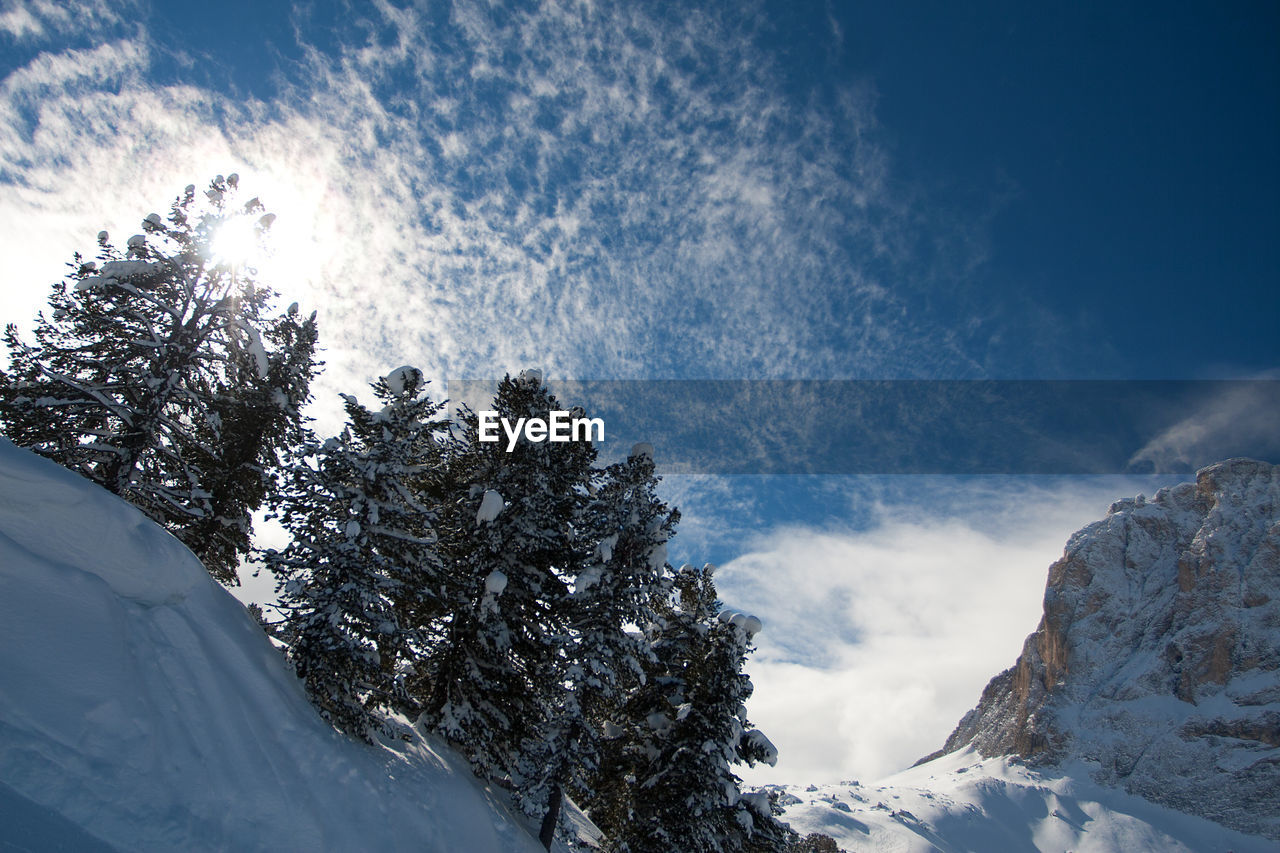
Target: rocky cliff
[(1157, 660)]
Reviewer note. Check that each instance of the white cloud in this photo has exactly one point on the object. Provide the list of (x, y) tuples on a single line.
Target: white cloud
[(29, 20), (602, 193), (1233, 418), (19, 22)]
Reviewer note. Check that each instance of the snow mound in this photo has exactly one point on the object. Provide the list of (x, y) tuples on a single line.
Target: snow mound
[(748, 623), (50, 515), (116, 272), (141, 707), (495, 583), (490, 507), (403, 378), (604, 550)]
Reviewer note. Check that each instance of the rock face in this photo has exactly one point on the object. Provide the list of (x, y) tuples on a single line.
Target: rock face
[(1157, 660)]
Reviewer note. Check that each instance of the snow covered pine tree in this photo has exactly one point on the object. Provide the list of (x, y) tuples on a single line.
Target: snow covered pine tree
[(613, 593), (687, 725), (511, 538), (255, 421), (158, 374), (358, 581)]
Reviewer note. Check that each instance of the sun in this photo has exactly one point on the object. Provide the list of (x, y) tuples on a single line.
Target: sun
[(236, 242), (291, 240)]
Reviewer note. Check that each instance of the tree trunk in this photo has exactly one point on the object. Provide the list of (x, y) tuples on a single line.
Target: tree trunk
[(552, 818)]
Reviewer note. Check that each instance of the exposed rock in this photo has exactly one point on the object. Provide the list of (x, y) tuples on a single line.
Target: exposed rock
[(1157, 659)]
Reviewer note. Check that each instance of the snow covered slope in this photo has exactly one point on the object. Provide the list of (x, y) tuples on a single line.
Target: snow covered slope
[(961, 802), (141, 708)]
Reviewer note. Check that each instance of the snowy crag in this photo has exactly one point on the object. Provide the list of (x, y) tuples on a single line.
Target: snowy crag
[(1156, 665)]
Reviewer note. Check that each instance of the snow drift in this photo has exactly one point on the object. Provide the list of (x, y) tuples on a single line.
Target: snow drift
[(142, 708)]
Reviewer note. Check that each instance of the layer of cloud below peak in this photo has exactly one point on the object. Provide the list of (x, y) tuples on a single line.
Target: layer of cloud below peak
[(877, 640)]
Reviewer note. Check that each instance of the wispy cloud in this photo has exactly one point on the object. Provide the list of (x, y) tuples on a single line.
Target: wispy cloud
[(1233, 418), (34, 20), (601, 192)]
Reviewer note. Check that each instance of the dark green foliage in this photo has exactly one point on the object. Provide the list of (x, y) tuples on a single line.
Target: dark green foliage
[(685, 728), (614, 593), (358, 582), (258, 419), (497, 673), (616, 588), (815, 842)]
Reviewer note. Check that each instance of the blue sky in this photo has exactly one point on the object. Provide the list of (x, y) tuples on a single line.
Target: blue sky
[(806, 190), (731, 191)]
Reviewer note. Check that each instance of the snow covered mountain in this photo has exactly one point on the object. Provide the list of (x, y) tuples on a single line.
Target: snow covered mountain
[(1142, 714), (1158, 656), (142, 709)]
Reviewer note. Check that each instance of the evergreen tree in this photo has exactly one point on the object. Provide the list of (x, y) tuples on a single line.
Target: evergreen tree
[(139, 361), (511, 536), (613, 595), (357, 583), (254, 420), (815, 842), (687, 727)]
